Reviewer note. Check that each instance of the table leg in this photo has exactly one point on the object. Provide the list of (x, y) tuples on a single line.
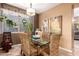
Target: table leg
[(38, 50)]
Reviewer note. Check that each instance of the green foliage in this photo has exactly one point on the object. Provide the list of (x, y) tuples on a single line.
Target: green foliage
[(27, 25), (14, 24), (30, 27), (2, 18), (24, 21), (10, 23)]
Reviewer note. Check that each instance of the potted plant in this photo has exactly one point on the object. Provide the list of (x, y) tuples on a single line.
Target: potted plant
[(24, 22), (30, 27), (27, 25)]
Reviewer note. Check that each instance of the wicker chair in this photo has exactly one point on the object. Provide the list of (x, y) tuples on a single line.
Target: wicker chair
[(52, 48), (26, 48), (45, 49), (54, 45)]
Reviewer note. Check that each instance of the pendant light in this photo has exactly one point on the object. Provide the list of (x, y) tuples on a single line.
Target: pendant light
[(30, 11)]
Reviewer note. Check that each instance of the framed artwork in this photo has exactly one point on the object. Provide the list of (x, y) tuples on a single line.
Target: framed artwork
[(45, 25), (56, 25)]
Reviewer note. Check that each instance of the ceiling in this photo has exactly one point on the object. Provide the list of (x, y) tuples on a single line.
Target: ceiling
[(40, 7)]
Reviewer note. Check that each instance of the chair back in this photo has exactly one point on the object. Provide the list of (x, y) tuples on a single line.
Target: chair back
[(46, 36), (25, 44)]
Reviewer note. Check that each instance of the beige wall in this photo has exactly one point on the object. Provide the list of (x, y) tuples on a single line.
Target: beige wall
[(66, 11), (76, 5)]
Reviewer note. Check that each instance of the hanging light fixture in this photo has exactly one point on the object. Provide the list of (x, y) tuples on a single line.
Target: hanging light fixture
[(30, 11)]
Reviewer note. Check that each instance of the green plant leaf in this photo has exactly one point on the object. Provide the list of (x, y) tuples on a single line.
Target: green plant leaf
[(27, 25), (1, 18), (9, 23), (14, 24)]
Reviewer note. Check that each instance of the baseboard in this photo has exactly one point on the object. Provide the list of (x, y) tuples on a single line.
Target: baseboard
[(16, 45), (66, 51)]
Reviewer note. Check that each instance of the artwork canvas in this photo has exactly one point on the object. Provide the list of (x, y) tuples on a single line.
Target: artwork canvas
[(56, 25), (45, 25)]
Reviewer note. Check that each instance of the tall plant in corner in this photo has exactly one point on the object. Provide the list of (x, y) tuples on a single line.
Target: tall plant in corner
[(30, 27), (27, 25)]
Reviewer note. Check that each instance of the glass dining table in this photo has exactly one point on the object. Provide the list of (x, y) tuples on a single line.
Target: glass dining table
[(38, 43)]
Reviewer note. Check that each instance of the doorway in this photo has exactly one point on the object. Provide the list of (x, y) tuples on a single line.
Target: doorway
[(76, 29)]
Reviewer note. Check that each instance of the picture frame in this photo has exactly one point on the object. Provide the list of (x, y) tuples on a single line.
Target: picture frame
[(45, 25), (56, 25)]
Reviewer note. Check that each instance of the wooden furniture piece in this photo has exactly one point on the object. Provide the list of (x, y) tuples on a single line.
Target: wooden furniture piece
[(15, 38), (26, 48), (7, 41)]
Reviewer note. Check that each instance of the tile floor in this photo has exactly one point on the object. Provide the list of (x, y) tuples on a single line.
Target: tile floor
[(76, 47), (16, 50)]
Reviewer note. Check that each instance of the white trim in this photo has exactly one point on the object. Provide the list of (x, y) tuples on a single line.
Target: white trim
[(16, 45), (67, 50)]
